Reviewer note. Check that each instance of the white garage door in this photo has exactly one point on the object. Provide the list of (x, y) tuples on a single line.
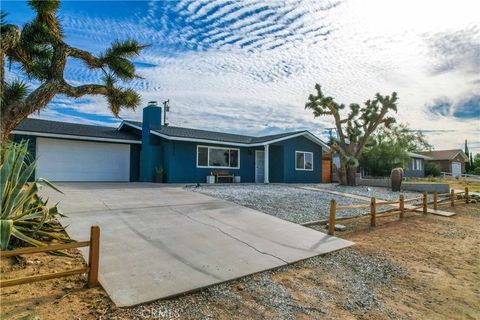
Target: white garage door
[(456, 169), (69, 160)]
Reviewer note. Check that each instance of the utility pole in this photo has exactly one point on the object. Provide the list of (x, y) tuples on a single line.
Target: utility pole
[(166, 108)]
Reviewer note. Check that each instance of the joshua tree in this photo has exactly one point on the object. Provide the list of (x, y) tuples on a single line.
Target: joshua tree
[(41, 53), (354, 128)]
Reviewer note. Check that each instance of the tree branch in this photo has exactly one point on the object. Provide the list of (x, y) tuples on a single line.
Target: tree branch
[(82, 90), (87, 57)]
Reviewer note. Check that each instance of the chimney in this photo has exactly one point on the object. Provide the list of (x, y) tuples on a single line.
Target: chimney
[(152, 117)]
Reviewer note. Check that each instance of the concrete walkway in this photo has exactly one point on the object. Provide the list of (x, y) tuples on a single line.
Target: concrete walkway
[(158, 242), (367, 199)]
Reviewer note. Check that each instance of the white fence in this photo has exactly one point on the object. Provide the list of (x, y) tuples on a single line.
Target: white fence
[(463, 175)]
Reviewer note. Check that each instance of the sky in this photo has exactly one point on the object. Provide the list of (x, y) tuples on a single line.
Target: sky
[(248, 66)]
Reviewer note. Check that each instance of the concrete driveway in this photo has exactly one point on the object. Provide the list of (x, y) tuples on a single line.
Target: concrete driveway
[(159, 241)]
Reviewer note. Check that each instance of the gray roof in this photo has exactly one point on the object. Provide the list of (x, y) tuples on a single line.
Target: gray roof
[(189, 133), (74, 129)]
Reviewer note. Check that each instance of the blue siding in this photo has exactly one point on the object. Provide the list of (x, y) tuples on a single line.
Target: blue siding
[(180, 162), (276, 164), (150, 154), (291, 175), (135, 162)]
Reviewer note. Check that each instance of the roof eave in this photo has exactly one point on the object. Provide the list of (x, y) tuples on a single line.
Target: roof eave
[(308, 135), (74, 137)]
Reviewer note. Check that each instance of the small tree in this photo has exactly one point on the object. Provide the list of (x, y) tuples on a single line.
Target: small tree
[(388, 148), (354, 128), (40, 51)]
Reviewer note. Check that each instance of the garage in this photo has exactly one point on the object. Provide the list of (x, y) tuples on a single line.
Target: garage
[(72, 160), (456, 169)]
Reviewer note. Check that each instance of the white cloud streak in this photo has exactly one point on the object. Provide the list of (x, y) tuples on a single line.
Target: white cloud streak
[(250, 65)]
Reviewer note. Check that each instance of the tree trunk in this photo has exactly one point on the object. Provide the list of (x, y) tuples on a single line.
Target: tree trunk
[(347, 175), (351, 176), (342, 174)]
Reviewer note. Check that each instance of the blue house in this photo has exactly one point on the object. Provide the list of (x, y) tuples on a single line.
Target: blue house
[(415, 168), (133, 151)]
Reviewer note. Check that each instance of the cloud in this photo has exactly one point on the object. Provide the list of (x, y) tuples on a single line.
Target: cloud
[(250, 65), (455, 51)]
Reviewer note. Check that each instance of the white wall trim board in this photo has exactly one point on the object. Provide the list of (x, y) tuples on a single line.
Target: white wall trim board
[(73, 137)]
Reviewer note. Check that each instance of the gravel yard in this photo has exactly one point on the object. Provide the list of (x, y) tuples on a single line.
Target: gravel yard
[(377, 192), (285, 202), (288, 202)]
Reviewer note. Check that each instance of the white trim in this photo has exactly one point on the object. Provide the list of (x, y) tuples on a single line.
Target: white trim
[(72, 137), (306, 134), (266, 167), (208, 157), (125, 122), (304, 160)]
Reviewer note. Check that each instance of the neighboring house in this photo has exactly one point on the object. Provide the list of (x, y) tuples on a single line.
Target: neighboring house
[(416, 166), (452, 161), (75, 152)]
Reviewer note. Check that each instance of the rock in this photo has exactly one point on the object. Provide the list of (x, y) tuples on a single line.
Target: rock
[(240, 287), (338, 227)]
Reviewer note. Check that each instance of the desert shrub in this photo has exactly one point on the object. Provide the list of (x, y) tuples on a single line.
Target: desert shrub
[(432, 169), (25, 216)]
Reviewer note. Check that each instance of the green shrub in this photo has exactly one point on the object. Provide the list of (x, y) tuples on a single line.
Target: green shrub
[(476, 171), (25, 216), (432, 170)]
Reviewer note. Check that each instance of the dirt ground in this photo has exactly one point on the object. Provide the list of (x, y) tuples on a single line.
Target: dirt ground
[(422, 267)]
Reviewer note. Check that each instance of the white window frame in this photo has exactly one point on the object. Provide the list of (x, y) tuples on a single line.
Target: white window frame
[(304, 153), (208, 157), (419, 164)]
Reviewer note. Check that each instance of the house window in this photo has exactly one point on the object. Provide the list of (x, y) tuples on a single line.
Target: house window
[(217, 157), (419, 164), (303, 160)]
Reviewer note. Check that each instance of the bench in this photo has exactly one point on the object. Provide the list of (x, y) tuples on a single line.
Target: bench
[(222, 174)]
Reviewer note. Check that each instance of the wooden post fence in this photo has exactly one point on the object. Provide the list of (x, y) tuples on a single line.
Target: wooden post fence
[(92, 268), (435, 200), (331, 221), (373, 212), (452, 197), (402, 205), (93, 256), (467, 200), (425, 202)]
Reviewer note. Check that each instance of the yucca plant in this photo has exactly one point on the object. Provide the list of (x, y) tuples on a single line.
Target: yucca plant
[(25, 216)]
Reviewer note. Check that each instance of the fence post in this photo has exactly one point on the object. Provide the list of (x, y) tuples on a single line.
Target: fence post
[(331, 221), (452, 197), (93, 256), (467, 200), (425, 202), (373, 212), (435, 200), (402, 205)]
